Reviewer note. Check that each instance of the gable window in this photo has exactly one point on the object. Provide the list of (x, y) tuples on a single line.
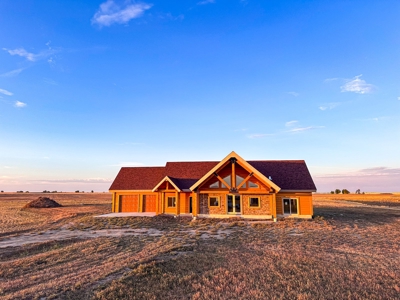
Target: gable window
[(213, 201), (252, 184), (254, 202), (214, 185), (171, 202)]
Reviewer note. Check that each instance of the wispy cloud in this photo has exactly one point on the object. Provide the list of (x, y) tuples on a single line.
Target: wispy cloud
[(327, 106), (258, 135), (110, 12), (301, 129), (357, 85), (19, 104), (294, 94), (88, 180), (331, 79), (12, 73), (5, 92), (291, 123), (204, 2), (30, 56)]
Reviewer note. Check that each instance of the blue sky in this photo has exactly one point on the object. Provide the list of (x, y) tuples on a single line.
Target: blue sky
[(89, 86)]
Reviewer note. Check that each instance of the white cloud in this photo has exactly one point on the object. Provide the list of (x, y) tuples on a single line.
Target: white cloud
[(205, 2), (30, 56), (331, 79), (110, 12), (331, 105), (301, 129), (291, 123), (293, 94), (398, 98), (258, 135), (357, 85), (12, 73), (19, 104), (5, 92), (88, 180)]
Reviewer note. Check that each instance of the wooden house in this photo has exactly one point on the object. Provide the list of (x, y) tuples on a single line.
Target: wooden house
[(230, 187)]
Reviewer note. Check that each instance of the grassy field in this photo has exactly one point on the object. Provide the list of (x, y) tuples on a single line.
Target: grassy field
[(350, 250)]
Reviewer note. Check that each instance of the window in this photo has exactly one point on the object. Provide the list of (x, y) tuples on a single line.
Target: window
[(239, 180), (227, 179), (290, 206), (213, 201), (252, 184), (214, 185), (171, 202), (254, 202)]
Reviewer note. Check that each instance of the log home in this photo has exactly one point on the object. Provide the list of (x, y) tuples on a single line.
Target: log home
[(230, 187)]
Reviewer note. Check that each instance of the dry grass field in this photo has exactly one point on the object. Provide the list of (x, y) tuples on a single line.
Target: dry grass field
[(350, 250)]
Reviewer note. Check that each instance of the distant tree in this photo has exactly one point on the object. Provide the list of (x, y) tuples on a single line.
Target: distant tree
[(345, 191), (358, 191), (54, 191), (83, 191), (332, 192), (92, 191), (2, 191), (27, 192), (337, 191), (77, 191)]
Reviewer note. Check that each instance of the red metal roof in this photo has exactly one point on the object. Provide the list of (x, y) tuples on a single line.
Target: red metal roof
[(287, 174)]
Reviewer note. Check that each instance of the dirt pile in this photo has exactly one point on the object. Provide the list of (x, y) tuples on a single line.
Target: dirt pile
[(42, 202)]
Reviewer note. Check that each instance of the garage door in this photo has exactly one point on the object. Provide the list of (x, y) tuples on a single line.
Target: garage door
[(149, 203), (129, 203)]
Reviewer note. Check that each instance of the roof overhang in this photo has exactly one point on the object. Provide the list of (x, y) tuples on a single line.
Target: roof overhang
[(244, 164), (166, 178)]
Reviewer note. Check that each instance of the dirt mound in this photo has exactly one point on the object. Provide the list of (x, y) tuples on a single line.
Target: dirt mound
[(42, 202)]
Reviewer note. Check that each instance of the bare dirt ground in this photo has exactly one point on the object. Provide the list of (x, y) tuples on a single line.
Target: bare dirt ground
[(348, 251)]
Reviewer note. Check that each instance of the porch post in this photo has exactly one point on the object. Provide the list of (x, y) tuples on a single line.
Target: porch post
[(113, 202), (162, 202), (194, 204), (274, 205), (177, 202), (157, 204)]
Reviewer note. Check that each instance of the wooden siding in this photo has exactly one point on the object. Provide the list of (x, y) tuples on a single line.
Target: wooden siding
[(305, 205)]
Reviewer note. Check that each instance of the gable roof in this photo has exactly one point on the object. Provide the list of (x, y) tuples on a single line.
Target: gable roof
[(138, 178), (243, 163), (287, 175)]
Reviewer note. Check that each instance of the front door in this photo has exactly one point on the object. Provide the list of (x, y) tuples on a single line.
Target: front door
[(233, 204)]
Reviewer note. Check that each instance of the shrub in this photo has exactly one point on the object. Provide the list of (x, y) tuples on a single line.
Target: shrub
[(77, 191), (337, 191), (332, 192), (345, 191)]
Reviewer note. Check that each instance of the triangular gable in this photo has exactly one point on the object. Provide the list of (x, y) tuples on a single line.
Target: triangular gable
[(166, 178), (244, 164)]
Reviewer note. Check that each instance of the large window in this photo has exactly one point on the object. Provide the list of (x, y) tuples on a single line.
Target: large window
[(252, 184), (171, 202), (214, 185), (254, 202), (213, 201)]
